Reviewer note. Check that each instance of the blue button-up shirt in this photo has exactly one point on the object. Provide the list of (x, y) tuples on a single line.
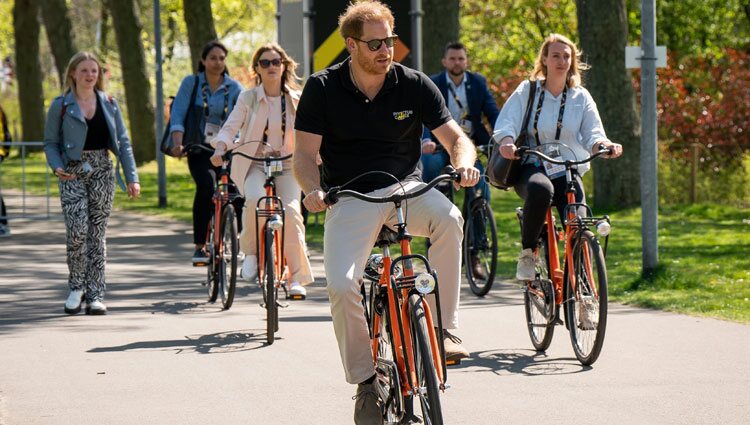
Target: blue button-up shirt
[(229, 89), (457, 112)]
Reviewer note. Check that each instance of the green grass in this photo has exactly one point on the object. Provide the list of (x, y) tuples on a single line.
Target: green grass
[(704, 250)]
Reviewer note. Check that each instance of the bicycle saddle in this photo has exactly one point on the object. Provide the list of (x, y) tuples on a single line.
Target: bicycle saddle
[(386, 237)]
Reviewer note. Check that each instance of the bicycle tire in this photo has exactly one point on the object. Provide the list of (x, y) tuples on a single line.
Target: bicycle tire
[(269, 288), (228, 257), (213, 270), (539, 301), (429, 399), (388, 380), (586, 304), (480, 214)]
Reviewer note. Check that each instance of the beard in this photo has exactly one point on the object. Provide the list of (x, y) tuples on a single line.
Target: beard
[(372, 67), (456, 72)]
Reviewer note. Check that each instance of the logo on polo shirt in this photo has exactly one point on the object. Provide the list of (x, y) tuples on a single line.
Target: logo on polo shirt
[(400, 116)]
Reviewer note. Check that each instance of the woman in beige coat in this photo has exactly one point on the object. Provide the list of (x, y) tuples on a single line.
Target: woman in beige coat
[(264, 117)]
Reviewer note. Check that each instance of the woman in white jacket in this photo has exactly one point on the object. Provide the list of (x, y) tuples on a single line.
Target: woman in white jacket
[(563, 112), (264, 115)]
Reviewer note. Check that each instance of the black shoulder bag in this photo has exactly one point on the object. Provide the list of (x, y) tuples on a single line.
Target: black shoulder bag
[(192, 125), (502, 172)]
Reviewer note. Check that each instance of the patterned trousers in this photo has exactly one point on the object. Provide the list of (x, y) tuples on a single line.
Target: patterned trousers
[(86, 204)]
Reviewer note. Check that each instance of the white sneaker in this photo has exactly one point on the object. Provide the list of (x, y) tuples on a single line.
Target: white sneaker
[(526, 268), (73, 303), (96, 308), (588, 313), (249, 268), (297, 291)]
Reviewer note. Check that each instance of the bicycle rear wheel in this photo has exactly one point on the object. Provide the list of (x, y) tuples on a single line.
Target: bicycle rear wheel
[(539, 301), (429, 394), (228, 258), (213, 271), (270, 292), (586, 299), (480, 247)]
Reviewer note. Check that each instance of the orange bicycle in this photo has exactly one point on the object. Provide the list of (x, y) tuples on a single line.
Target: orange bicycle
[(581, 287), (407, 345), (273, 272), (222, 242)]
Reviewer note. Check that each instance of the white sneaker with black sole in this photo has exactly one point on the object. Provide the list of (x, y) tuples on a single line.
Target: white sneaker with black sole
[(73, 303)]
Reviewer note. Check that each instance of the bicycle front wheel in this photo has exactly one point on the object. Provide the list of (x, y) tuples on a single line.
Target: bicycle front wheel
[(480, 247), (586, 298), (270, 294), (228, 258), (429, 391), (539, 301)]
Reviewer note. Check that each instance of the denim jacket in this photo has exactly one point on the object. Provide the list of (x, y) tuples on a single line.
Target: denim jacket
[(64, 137), (229, 88)]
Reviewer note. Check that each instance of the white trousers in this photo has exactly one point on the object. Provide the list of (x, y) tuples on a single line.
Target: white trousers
[(351, 228), (289, 191)]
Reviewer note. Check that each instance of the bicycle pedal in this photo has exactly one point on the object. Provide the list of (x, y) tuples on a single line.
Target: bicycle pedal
[(296, 297), (200, 264), (453, 362), (282, 305)]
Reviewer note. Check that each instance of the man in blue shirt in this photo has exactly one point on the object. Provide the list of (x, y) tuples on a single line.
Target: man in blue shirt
[(468, 98)]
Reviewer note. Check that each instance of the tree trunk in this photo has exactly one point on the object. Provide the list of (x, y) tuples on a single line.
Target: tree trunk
[(128, 29), (28, 69), (200, 27), (603, 30), (439, 27), (59, 34)]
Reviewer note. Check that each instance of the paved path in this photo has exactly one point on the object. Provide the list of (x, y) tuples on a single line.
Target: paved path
[(165, 356)]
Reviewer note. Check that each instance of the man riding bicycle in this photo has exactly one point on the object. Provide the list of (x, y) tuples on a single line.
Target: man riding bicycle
[(468, 98), (366, 114)]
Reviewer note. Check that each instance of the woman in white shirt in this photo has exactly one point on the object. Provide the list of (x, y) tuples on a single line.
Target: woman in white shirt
[(264, 116), (563, 112)]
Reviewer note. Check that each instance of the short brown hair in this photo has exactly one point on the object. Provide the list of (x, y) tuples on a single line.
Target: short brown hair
[(356, 14)]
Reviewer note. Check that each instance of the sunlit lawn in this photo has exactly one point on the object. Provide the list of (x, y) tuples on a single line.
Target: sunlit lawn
[(704, 250)]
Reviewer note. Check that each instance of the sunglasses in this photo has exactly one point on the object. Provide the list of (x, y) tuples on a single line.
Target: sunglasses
[(265, 63), (375, 44)]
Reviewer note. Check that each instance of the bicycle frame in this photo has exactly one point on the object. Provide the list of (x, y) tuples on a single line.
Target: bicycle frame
[(397, 291), (268, 207)]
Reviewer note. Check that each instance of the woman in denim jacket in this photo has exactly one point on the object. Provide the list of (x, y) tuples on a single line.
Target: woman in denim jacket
[(82, 126), (215, 96)]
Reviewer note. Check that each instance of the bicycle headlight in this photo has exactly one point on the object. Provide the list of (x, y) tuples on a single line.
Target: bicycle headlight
[(275, 222), (424, 283), (603, 228)]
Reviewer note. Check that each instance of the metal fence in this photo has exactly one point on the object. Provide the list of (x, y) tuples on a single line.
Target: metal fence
[(25, 182)]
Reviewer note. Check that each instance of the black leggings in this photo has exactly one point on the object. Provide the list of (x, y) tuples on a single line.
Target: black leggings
[(539, 192), (203, 206)]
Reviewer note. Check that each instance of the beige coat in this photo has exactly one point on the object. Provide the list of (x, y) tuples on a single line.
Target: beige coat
[(249, 117)]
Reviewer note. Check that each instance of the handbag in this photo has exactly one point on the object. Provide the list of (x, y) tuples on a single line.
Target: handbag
[(502, 172), (192, 132)]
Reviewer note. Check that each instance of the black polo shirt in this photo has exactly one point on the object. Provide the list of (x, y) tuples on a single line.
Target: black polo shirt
[(360, 135)]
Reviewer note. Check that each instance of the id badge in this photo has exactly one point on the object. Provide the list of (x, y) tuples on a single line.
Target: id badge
[(466, 126), (554, 170), (211, 131)]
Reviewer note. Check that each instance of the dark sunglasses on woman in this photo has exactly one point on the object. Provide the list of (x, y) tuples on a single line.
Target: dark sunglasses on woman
[(375, 43), (265, 63)]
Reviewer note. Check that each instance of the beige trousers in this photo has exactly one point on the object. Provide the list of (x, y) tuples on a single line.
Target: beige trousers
[(351, 228), (289, 191)]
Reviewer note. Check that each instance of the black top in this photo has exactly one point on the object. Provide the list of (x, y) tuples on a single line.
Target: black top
[(97, 135), (360, 135)]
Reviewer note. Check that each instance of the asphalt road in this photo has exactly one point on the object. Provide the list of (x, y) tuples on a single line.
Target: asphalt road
[(163, 355)]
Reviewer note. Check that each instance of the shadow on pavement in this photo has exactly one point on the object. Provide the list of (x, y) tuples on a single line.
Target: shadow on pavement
[(518, 361), (222, 342)]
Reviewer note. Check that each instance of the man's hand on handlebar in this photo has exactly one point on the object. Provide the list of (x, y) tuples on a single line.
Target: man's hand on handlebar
[(469, 176), (314, 201), (615, 149)]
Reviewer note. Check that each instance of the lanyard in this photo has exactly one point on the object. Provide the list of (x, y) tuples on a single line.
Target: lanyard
[(204, 90), (458, 101), (283, 120), (559, 117)]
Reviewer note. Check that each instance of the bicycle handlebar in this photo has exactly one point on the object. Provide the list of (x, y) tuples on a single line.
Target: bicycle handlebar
[(525, 150), (333, 194), (228, 154)]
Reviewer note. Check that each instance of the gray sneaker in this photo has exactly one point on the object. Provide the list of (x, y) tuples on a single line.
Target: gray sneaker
[(4, 231), (367, 406), (526, 268), (588, 313)]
